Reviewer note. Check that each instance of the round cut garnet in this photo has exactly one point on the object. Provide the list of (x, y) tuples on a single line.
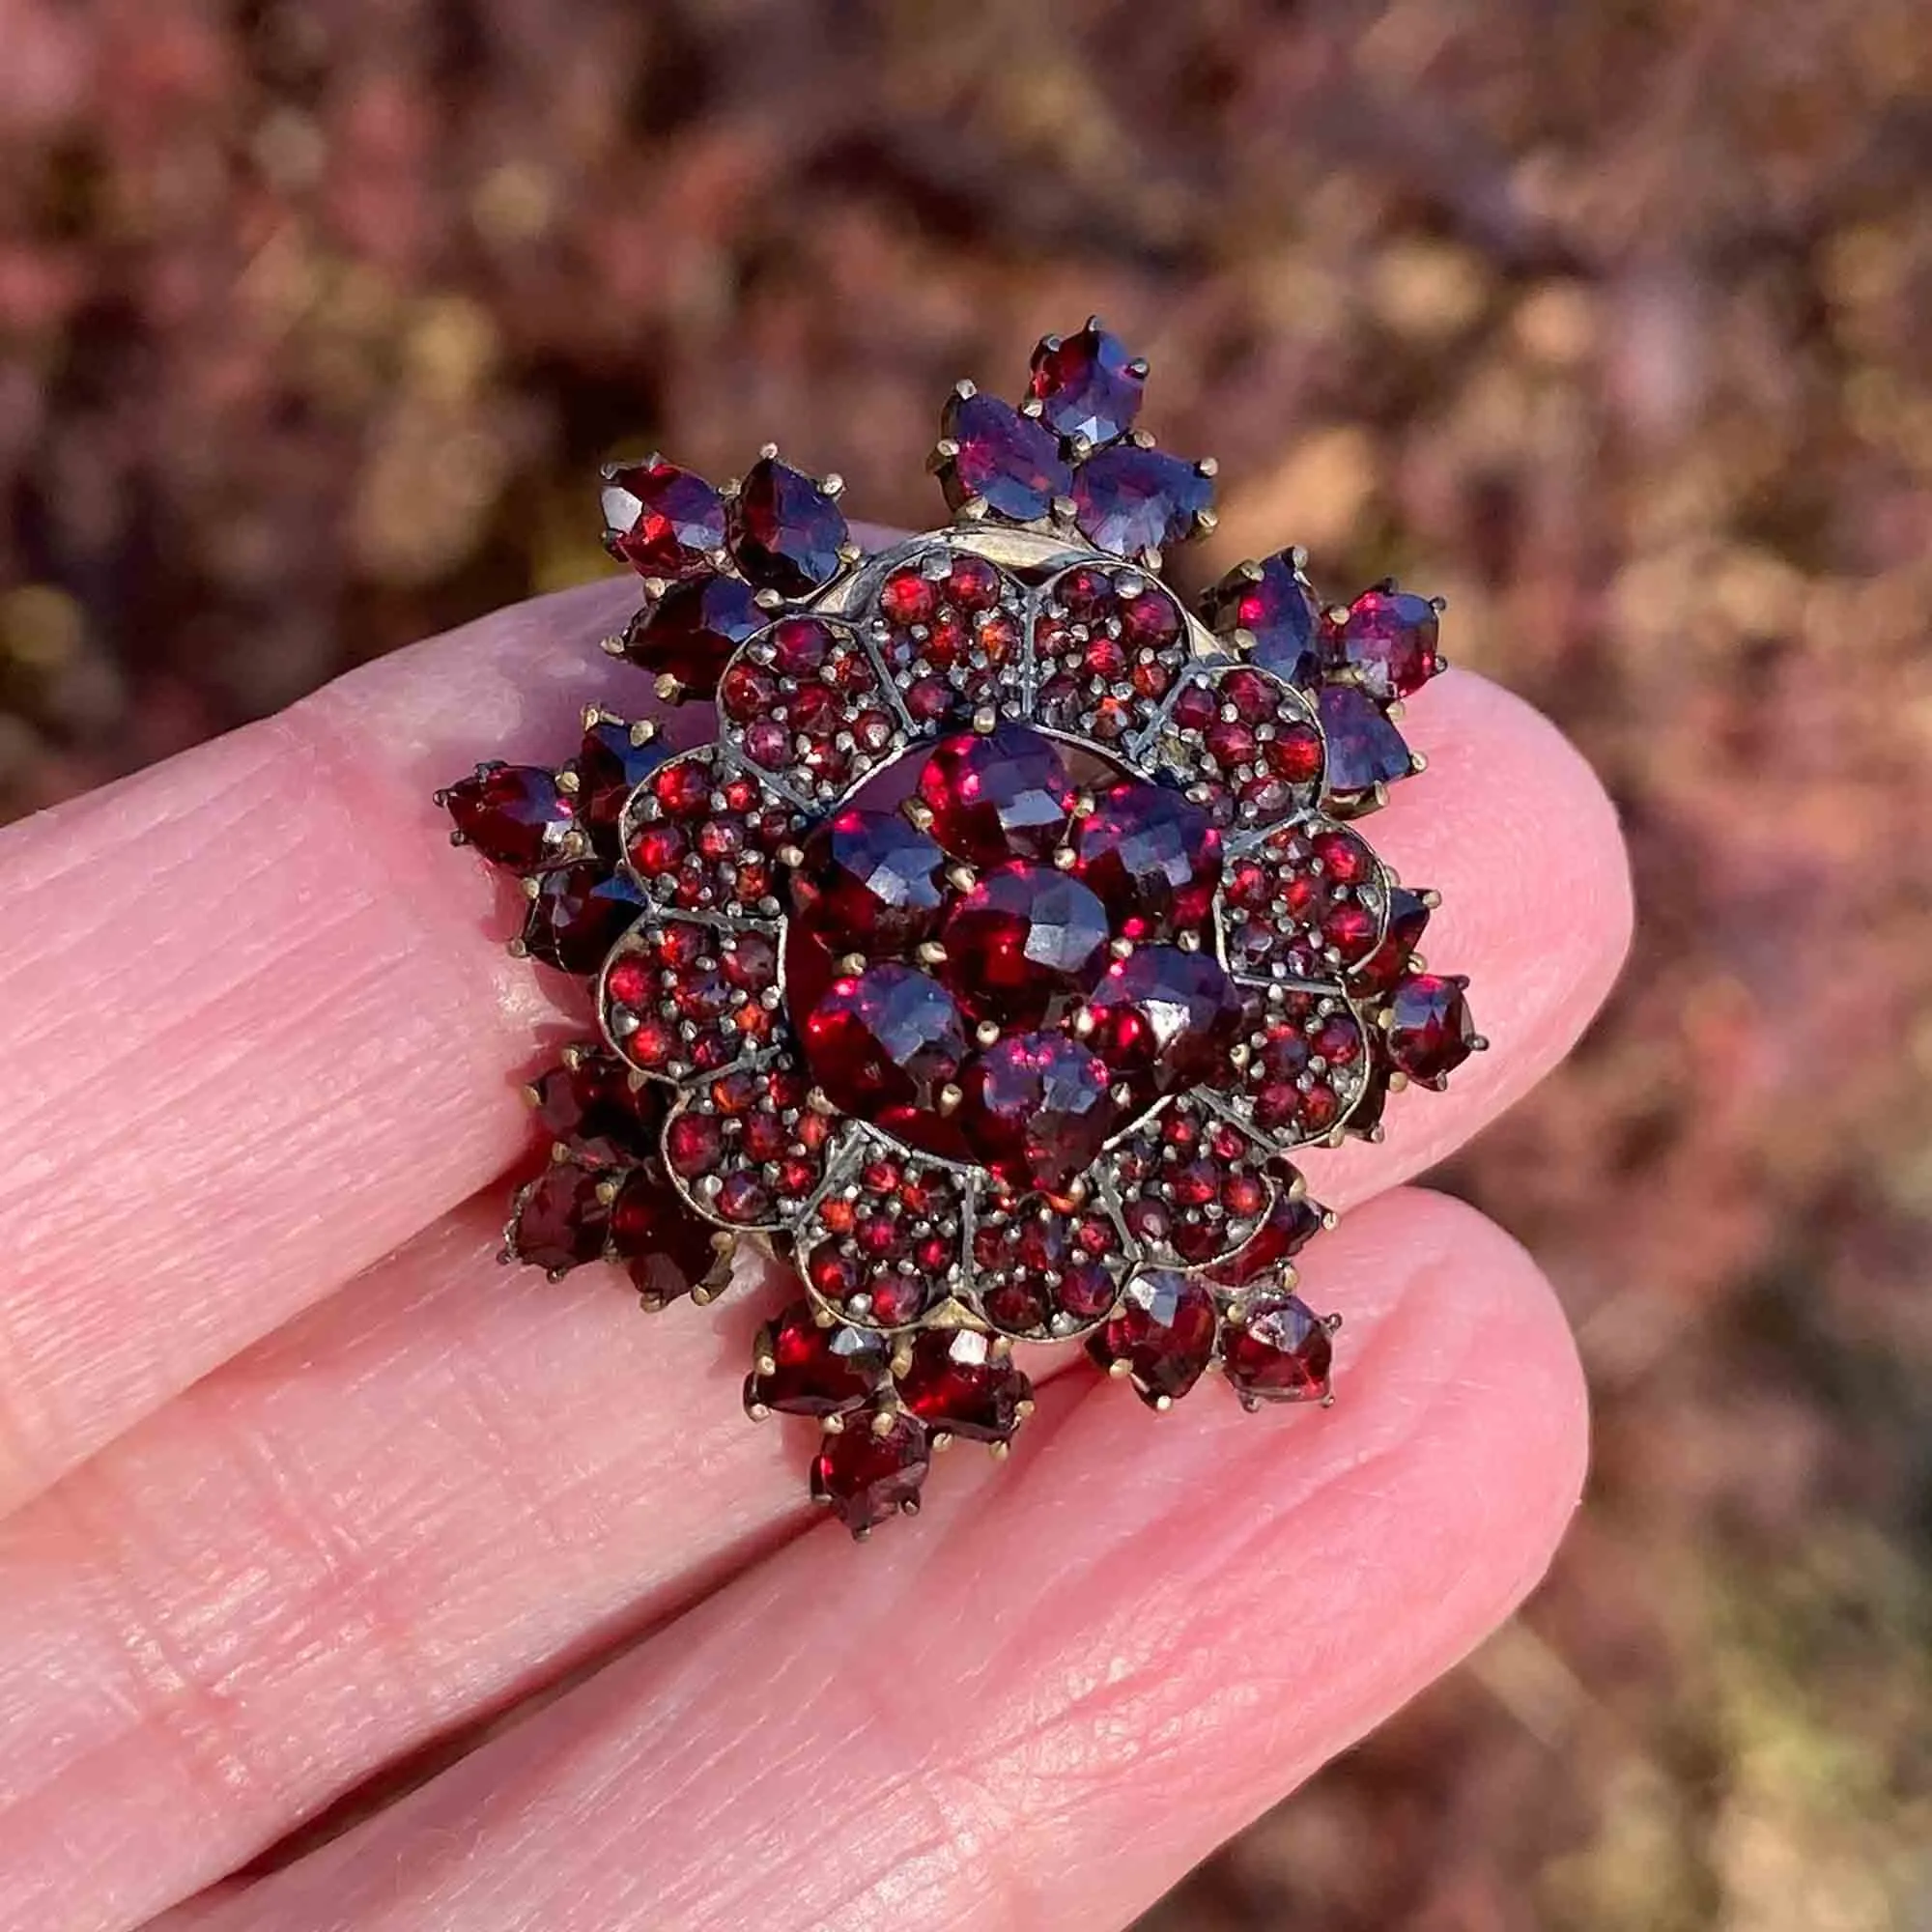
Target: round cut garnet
[(1024, 944), (515, 815), (1036, 1110), (882, 1044), (1128, 499), (1388, 641), (1152, 858), (1007, 459), (958, 1384), (998, 795), (869, 882), (868, 1473), (692, 630), (1283, 1353), (579, 914), (1087, 386), (1272, 602), (1164, 1332), (661, 520), (1431, 1033), (809, 1369), (1165, 1019), (786, 530), (1364, 748)]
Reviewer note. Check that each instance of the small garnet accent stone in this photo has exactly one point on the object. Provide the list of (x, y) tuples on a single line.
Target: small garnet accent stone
[(1430, 1030), (998, 795), (560, 1221), (1388, 641), (869, 882), (1283, 1354), (692, 630), (882, 1044), (515, 816), (958, 1384), (1024, 944), (668, 1248), (1408, 920), (1129, 499), (1036, 1110), (1164, 1333), (786, 530), (1153, 859), (815, 1370), (1003, 457), (661, 520), (869, 1474), (579, 914), (1167, 1016), (1277, 609), (1364, 748), (1087, 386)]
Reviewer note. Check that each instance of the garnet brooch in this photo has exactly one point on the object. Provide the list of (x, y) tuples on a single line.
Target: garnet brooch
[(991, 964)]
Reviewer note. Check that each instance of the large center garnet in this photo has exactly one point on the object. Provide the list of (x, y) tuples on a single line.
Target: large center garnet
[(1002, 952)]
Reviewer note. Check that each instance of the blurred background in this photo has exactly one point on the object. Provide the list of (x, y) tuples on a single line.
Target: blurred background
[(1607, 321)]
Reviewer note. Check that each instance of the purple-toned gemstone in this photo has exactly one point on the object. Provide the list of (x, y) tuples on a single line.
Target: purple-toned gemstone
[(661, 520), (1364, 748), (1087, 386), (692, 630), (785, 531), (1010, 460), (1128, 499), (1278, 609)]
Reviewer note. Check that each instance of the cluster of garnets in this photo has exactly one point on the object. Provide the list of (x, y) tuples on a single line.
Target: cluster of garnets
[(991, 962)]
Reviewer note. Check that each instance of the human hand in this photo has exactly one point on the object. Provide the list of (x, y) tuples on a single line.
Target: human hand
[(299, 1484)]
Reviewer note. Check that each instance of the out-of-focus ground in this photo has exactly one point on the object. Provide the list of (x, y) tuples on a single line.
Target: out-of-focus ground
[(1610, 321)]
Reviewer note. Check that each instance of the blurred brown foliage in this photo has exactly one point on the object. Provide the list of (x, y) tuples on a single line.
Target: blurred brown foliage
[(1606, 320)]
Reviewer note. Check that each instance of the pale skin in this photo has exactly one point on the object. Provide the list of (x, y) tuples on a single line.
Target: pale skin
[(297, 1481)]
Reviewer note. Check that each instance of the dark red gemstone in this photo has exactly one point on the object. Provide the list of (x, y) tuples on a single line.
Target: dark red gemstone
[(1024, 946), (1129, 499), (882, 1044), (1166, 1020), (1036, 1110), (1388, 641), (692, 630), (998, 795), (610, 766), (1431, 1033), (959, 1384), (515, 816), (1087, 386), (579, 914), (1164, 1331), (560, 1221), (869, 882), (668, 1247), (816, 1370), (1153, 859), (868, 1474), (1277, 610), (1283, 1354), (1364, 748), (593, 1109), (973, 583), (784, 530), (692, 1144), (1407, 918), (661, 520), (1293, 1222), (1008, 459)]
